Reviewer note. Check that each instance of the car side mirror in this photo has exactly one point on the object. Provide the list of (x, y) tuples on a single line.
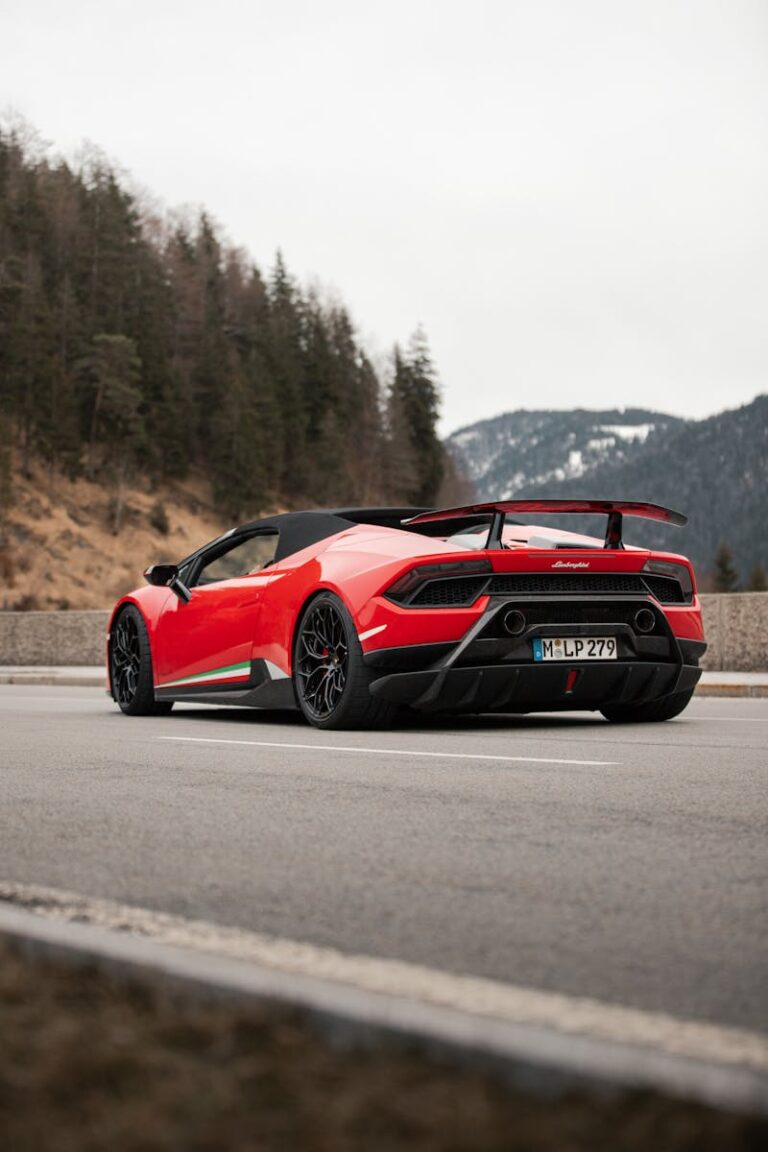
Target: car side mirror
[(167, 576), (161, 574)]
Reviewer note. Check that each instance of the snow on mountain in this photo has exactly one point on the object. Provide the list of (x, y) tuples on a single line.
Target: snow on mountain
[(518, 450), (629, 431), (714, 470)]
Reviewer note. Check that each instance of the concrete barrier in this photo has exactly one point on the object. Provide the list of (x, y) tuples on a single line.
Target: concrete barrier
[(73, 638), (736, 627)]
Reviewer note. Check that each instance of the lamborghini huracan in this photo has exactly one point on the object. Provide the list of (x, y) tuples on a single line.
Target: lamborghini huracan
[(354, 614)]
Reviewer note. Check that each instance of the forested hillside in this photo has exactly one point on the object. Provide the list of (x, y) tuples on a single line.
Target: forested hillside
[(714, 470), (136, 345)]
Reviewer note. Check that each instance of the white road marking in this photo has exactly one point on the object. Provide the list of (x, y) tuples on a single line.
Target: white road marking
[(12, 701), (580, 1016), (390, 751), (739, 719)]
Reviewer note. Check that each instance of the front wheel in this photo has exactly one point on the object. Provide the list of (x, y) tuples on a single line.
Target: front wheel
[(130, 667), (329, 676), (653, 711)]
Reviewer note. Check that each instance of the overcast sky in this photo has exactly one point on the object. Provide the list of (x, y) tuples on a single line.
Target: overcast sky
[(570, 195)]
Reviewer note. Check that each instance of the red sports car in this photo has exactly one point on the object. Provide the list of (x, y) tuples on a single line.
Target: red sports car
[(353, 614)]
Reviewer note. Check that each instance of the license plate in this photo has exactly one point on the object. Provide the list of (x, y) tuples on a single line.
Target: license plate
[(576, 648)]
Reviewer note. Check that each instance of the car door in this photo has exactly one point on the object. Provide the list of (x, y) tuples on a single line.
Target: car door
[(208, 641)]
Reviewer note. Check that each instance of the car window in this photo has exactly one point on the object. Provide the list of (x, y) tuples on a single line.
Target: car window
[(249, 555)]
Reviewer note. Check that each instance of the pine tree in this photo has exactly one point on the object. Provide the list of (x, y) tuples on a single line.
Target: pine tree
[(725, 576), (365, 437), (170, 421), (415, 405), (758, 580), (456, 488), (29, 355), (401, 477), (112, 405), (238, 478), (58, 432), (6, 500)]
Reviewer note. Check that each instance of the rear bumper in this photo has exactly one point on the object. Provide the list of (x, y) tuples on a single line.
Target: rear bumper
[(534, 687), (492, 669)]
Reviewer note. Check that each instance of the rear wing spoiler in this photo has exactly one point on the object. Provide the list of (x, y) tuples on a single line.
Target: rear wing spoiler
[(615, 510)]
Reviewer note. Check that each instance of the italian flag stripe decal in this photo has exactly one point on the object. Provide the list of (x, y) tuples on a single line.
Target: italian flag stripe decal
[(228, 672)]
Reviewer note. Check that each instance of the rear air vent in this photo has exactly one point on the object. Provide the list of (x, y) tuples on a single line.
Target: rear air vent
[(553, 583), (462, 592), (666, 589), (456, 593)]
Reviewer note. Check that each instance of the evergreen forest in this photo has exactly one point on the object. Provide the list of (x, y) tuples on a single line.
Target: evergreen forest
[(140, 344)]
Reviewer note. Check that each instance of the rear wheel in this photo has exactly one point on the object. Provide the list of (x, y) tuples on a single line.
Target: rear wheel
[(329, 676), (653, 711), (130, 667)]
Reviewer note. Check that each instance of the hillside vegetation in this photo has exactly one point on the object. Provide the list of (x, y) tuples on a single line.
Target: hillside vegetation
[(138, 349), (65, 553)]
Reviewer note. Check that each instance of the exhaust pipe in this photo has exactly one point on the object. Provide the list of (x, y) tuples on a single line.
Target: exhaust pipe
[(645, 621), (514, 622)]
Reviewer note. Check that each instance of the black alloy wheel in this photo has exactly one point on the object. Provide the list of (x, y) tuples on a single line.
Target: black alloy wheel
[(330, 678), (130, 666), (126, 659), (323, 659)]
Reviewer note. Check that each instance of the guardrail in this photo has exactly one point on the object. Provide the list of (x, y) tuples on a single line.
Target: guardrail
[(736, 627)]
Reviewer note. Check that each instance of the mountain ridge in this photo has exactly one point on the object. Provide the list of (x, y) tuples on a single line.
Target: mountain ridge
[(714, 470), (494, 452)]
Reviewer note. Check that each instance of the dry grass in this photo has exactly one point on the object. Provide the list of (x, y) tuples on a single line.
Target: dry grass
[(89, 1064), (60, 551)]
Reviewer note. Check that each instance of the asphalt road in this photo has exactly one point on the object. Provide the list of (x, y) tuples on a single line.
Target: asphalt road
[(560, 853)]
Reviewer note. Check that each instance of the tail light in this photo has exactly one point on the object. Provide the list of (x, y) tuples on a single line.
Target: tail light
[(679, 572), (406, 585)]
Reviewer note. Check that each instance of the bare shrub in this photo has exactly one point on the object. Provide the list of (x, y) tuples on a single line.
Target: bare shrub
[(158, 519)]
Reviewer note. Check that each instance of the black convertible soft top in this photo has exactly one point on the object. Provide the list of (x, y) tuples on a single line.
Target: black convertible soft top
[(301, 529), (298, 530)]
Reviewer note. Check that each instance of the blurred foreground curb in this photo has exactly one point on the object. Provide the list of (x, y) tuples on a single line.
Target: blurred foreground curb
[(534, 1058)]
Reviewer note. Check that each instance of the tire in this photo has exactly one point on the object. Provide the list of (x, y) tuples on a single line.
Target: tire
[(130, 667), (652, 712), (329, 677)]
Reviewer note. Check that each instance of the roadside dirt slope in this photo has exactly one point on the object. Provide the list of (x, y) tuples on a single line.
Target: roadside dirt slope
[(60, 551)]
